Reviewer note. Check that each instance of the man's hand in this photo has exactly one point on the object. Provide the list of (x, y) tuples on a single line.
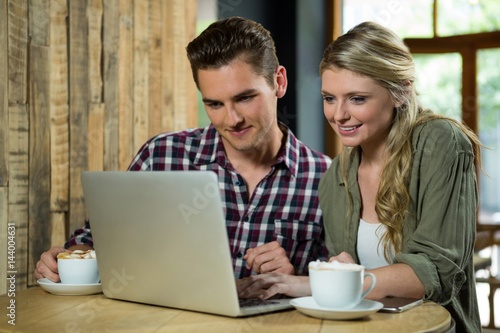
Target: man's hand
[(269, 257), (46, 267)]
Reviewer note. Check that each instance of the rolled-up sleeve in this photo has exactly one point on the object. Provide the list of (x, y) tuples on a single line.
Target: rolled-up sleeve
[(441, 224), (82, 236)]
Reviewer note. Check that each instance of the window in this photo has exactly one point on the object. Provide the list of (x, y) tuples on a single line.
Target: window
[(456, 47), (460, 17), (440, 93), (489, 130), (392, 14)]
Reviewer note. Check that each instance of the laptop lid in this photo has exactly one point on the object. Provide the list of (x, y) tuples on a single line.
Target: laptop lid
[(160, 238)]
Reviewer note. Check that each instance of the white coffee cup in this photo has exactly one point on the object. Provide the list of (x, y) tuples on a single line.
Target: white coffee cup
[(337, 285), (78, 270)]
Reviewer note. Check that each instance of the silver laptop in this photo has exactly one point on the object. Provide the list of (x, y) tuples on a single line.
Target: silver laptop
[(160, 238)]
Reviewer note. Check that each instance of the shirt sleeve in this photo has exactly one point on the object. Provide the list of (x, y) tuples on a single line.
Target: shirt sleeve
[(81, 236), (142, 159), (442, 219)]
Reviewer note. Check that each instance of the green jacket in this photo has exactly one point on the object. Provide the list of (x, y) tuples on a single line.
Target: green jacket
[(440, 229)]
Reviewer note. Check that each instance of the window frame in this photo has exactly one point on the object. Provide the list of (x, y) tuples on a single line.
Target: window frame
[(466, 45)]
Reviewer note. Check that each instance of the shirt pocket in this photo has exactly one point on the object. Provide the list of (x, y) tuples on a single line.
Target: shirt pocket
[(296, 235)]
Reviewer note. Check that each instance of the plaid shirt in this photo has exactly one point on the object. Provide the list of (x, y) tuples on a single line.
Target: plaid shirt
[(284, 206)]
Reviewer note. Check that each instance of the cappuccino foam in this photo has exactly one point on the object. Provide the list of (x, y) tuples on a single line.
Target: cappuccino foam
[(77, 254), (334, 265)]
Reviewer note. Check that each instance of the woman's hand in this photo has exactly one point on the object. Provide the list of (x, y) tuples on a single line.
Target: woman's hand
[(343, 257), (265, 286)]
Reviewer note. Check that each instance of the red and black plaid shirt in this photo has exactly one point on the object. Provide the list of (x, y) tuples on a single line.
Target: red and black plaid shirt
[(284, 206)]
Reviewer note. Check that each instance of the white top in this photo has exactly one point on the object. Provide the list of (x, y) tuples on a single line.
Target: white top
[(370, 249)]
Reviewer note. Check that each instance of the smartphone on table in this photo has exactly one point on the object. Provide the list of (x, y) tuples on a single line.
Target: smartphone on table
[(399, 304)]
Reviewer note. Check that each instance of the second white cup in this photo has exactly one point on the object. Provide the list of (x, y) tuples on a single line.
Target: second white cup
[(338, 286)]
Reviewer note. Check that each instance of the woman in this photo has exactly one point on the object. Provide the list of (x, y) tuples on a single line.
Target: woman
[(401, 197)]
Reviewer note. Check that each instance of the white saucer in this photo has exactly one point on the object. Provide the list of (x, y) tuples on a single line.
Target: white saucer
[(69, 289), (309, 307)]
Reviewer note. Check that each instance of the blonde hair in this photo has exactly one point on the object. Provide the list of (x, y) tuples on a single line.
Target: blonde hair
[(374, 51)]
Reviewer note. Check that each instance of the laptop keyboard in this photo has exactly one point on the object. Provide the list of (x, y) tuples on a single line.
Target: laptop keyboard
[(253, 302)]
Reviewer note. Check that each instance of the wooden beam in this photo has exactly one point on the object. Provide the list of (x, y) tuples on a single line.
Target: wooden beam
[(95, 137), (79, 107), (18, 141), (4, 100), (168, 65), (59, 113), (39, 151), (453, 43), (155, 70), (18, 189), (113, 112), (141, 75), (94, 14), (435, 15), (125, 84), (18, 51), (184, 94)]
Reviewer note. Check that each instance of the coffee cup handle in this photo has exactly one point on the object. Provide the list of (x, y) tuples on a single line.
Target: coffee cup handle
[(372, 284)]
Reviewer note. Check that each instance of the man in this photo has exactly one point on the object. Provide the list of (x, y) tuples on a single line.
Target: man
[(268, 178)]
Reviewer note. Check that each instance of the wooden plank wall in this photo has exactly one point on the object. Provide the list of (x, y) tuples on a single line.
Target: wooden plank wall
[(4, 134), (82, 85)]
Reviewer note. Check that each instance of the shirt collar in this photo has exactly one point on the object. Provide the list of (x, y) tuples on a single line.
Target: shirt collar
[(289, 153), (207, 150), (211, 149)]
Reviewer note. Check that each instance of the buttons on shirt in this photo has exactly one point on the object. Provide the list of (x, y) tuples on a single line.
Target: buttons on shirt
[(239, 255)]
